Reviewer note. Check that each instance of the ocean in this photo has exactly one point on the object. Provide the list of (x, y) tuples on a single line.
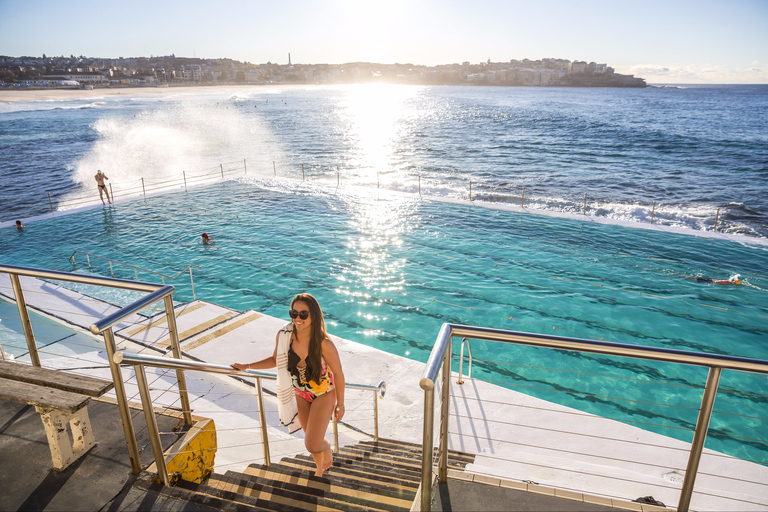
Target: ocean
[(321, 194), (685, 156)]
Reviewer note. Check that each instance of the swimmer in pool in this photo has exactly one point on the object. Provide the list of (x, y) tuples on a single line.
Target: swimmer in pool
[(207, 240), (732, 280)]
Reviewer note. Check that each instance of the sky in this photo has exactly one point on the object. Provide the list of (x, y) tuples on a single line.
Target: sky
[(667, 41)]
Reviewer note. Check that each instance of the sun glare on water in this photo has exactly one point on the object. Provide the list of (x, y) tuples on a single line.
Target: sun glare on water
[(374, 115)]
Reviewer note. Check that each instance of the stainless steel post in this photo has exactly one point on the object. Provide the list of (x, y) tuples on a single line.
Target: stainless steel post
[(184, 174), (335, 433), (122, 402), (262, 421), (522, 200), (180, 379), (152, 430), (110, 269), (190, 282), (699, 436), (88, 259), (142, 187), (470, 191), (444, 410), (245, 166), (24, 317), (717, 216), (222, 170), (653, 212), (426, 450), (375, 416), (274, 168), (585, 203)]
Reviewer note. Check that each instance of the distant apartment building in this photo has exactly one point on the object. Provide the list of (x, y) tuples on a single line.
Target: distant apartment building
[(579, 66), (192, 73)]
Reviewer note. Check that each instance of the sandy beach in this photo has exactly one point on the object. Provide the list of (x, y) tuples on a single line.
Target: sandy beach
[(7, 94)]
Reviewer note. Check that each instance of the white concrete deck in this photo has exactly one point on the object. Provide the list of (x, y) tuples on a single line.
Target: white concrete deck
[(516, 437)]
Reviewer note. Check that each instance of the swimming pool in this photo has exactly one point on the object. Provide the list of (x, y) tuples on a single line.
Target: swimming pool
[(390, 269)]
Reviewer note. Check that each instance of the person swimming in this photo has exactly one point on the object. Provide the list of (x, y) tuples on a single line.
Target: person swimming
[(734, 279)]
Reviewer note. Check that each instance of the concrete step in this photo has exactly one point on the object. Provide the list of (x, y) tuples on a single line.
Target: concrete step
[(192, 319)]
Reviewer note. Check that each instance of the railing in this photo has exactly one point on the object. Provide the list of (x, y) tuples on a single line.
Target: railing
[(155, 293), (139, 361), (512, 195), (441, 357), (105, 326), (163, 277)]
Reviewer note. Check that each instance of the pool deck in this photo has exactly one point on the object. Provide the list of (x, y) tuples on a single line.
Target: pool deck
[(554, 447)]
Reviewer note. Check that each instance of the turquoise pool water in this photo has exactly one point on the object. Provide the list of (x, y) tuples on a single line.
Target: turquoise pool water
[(389, 270), (53, 340)]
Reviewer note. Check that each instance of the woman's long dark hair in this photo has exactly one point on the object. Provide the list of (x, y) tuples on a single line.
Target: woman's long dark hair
[(316, 337)]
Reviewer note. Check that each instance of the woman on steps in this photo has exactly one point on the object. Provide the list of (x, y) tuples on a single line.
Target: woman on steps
[(310, 381)]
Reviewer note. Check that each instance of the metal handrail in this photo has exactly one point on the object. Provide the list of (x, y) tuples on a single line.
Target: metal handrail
[(441, 357), (139, 361), (104, 326), (163, 277)]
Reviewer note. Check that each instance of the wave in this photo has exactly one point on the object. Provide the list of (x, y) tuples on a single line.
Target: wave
[(689, 218)]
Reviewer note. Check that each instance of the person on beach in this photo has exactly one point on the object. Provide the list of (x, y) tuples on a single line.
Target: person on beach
[(100, 177), (310, 381), (207, 240), (19, 225)]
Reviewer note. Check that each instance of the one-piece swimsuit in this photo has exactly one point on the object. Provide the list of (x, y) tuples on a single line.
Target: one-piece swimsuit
[(308, 390)]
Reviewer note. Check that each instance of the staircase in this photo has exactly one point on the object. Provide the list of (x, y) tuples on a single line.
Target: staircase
[(381, 476)]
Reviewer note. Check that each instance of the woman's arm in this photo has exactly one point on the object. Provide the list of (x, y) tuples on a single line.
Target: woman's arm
[(262, 364), (331, 356)]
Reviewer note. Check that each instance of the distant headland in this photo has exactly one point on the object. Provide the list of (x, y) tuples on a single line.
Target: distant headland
[(90, 72)]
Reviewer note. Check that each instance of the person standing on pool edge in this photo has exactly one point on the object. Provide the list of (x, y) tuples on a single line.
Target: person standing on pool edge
[(310, 380), (100, 177)]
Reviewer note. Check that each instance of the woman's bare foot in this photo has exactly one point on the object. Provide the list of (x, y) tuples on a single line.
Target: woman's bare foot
[(326, 462)]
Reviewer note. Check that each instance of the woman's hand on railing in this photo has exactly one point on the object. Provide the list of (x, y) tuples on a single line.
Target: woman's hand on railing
[(240, 366), (339, 412)]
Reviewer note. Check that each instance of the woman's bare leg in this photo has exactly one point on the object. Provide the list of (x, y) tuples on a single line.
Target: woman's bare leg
[(314, 434)]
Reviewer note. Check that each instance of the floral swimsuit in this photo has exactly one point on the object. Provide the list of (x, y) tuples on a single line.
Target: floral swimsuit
[(308, 390)]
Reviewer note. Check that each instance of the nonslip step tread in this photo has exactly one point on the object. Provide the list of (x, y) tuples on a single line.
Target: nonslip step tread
[(389, 445), (361, 475), (158, 494), (404, 460), (313, 487), (382, 466), (293, 498), (290, 476)]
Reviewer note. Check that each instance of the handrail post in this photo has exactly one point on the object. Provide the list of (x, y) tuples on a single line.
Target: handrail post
[(426, 450), (699, 436), (522, 200), (444, 410), (190, 282), (335, 433), (653, 212), (184, 174), (245, 166), (181, 380), (142, 187), (585, 203), (152, 430), (717, 216), (29, 335), (88, 259), (222, 170), (122, 402), (375, 416), (263, 421)]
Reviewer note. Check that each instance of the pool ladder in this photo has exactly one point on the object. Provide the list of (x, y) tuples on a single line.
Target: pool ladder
[(136, 269)]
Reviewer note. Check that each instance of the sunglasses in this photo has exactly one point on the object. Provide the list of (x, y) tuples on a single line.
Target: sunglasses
[(299, 314)]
